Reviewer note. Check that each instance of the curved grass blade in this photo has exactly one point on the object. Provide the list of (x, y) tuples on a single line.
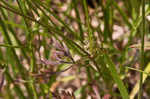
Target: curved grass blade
[(115, 75)]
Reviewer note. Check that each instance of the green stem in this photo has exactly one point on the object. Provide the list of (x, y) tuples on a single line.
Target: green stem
[(54, 30), (142, 48), (90, 33), (32, 63)]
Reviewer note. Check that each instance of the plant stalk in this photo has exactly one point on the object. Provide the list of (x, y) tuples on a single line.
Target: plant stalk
[(142, 49)]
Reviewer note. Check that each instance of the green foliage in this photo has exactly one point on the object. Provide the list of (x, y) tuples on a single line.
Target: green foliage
[(39, 41)]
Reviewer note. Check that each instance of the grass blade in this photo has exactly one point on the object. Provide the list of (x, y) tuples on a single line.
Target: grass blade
[(121, 86), (142, 49)]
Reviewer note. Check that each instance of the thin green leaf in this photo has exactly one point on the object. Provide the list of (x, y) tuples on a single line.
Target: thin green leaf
[(115, 75)]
